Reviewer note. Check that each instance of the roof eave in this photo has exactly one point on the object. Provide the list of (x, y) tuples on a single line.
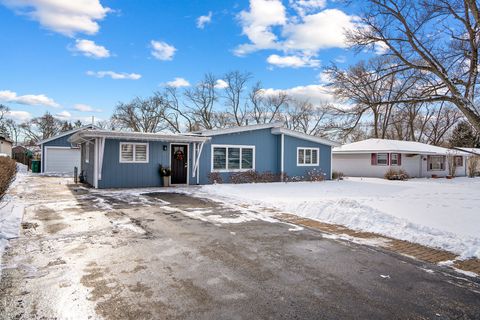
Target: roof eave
[(304, 136)]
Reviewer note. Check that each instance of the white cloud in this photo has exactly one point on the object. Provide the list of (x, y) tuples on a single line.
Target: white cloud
[(257, 25), (380, 47), (292, 61), (63, 115), (85, 108), (315, 93), (162, 50), (324, 77), (299, 35), (63, 16), (178, 82), (307, 6), (114, 75), (90, 49), (19, 116), (204, 20), (28, 99), (221, 84), (322, 30)]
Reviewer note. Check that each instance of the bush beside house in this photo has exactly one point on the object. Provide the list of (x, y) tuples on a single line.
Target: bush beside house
[(8, 168)]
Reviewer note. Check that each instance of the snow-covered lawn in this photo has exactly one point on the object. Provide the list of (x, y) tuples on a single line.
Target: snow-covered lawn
[(435, 212)]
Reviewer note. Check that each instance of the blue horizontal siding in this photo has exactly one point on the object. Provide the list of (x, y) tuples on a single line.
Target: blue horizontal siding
[(290, 155), (267, 158), (132, 175), (266, 151)]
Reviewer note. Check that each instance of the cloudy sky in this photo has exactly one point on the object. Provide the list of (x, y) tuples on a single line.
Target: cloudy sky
[(79, 58)]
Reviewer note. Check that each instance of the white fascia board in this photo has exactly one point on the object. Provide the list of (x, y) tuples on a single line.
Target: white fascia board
[(141, 136), (63, 134), (304, 136), (217, 132)]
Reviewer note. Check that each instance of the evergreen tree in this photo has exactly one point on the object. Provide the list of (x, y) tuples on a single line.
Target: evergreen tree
[(464, 136)]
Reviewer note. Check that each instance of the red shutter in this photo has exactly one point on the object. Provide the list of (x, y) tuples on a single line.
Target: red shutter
[(399, 157), (374, 159)]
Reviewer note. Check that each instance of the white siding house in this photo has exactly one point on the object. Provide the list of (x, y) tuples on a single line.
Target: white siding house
[(374, 157)]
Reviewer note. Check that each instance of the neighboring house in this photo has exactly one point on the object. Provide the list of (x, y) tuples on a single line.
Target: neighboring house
[(6, 146), (373, 157), (112, 159), (474, 153), (58, 155)]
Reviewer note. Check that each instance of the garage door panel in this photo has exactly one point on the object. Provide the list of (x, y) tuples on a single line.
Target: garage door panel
[(59, 160)]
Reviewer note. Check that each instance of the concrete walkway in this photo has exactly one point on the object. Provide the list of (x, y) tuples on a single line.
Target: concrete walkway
[(86, 254)]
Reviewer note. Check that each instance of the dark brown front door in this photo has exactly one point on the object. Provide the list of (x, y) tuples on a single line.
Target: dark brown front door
[(179, 164)]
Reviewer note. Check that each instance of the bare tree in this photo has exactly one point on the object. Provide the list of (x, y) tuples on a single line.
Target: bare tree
[(176, 115), (236, 85), (42, 127), (201, 99), (267, 108), (143, 115), (303, 116), (13, 130), (371, 89), (438, 40)]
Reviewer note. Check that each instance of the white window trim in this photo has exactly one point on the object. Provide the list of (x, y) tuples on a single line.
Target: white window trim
[(382, 164), (134, 150), (429, 162), (391, 159), (226, 157), (308, 164)]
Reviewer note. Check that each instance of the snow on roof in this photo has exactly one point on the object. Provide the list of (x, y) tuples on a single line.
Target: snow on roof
[(88, 134), (475, 151), (215, 132), (6, 139), (385, 145)]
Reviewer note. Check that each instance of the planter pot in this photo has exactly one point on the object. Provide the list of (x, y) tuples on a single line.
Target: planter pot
[(434, 176), (166, 181), (449, 177)]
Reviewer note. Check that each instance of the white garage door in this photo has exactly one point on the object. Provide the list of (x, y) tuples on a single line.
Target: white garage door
[(60, 160)]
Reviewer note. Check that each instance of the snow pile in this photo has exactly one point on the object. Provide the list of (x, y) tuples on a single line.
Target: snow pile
[(11, 212), (438, 213)]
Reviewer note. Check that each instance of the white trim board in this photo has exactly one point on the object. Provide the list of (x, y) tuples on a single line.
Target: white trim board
[(304, 136), (66, 133), (308, 164), (254, 127), (133, 151)]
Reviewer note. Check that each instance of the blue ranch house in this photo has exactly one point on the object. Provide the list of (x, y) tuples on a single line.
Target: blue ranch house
[(114, 159)]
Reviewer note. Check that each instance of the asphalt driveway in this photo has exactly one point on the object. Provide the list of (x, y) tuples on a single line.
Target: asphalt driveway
[(86, 254)]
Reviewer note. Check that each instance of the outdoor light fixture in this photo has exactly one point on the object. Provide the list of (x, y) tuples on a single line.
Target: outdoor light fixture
[(164, 148)]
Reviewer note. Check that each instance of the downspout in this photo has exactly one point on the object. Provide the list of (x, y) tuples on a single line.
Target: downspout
[(282, 154)]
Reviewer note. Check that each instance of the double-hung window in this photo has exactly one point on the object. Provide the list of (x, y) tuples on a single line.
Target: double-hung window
[(307, 156), (233, 158), (382, 159), (133, 152), (436, 163)]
